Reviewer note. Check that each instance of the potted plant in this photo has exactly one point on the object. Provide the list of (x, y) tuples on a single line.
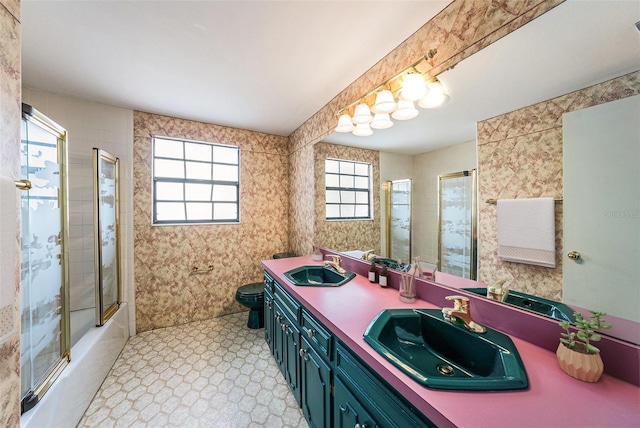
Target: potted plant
[(577, 355)]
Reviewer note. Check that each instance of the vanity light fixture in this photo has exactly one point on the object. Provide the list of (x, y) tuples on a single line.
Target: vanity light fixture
[(384, 102), (381, 121), (362, 130), (436, 96), (413, 87), (405, 111), (345, 124), (362, 114)]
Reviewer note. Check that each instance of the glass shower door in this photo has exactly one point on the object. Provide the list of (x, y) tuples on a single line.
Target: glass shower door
[(398, 194), (44, 340)]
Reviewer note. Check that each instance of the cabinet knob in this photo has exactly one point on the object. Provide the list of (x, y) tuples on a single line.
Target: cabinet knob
[(279, 319), (283, 327), (343, 409), (311, 333), (302, 353)]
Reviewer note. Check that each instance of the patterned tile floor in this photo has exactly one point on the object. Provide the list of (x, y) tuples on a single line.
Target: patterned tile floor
[(214, 373)]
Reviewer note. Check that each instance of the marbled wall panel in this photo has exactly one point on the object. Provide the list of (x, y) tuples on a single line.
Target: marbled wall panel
[(166, 291), (460, 30), (520, 156), (352, 234), (10, 107)]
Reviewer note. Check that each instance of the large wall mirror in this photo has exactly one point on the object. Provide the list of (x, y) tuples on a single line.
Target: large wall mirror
[(571, 47)]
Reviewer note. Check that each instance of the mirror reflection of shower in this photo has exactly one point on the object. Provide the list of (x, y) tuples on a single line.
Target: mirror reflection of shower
[(106, 232), (457, 220), (398, 219)]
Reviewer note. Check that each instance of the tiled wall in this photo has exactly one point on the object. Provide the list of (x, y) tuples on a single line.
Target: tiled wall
[(520, 155), (345, 235), (10, 169), (426, 168), (109, 128), (166, 292), (461, 29)]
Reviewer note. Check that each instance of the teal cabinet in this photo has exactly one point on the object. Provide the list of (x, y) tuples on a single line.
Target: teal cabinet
[(269, 307), (316, 387), (349, 412), (333, 386)]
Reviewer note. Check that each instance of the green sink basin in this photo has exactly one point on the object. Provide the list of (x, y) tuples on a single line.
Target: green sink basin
[(536, 304), (318, 276), (441, 355)]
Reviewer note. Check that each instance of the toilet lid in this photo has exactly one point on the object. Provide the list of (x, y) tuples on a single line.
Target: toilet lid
[(249, 290)]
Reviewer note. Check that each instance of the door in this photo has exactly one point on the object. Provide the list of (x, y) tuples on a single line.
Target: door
[(601, 150), (316, 387)]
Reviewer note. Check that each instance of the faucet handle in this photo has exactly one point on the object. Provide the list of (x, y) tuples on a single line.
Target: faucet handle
[(460, 303), (335, 259)]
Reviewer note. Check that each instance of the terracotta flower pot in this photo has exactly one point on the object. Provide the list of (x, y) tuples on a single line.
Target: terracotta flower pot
[(578, 364)]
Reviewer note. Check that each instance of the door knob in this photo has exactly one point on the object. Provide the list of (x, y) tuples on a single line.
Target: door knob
[(573, 255)]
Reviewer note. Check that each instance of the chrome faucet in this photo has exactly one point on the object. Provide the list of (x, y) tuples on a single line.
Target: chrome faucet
[(461, 314), (335, 263)]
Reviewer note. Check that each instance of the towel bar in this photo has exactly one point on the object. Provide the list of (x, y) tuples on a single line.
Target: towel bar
[(495, 201)]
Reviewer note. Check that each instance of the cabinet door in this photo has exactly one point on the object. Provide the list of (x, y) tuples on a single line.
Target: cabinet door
[(348, 412), (279, 337), (316, 387), (292, 356), (269, 318)]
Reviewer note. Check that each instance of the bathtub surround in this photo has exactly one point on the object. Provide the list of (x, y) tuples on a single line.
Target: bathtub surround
[(166, 292), (91, 360), (520, 156), (10, 108), (109, 128)]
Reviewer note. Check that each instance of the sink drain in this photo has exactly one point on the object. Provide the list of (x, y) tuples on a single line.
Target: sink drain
[(445, 370)]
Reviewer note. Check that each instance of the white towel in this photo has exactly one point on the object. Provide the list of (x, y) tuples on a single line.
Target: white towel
[(8, 218), (526, 231)]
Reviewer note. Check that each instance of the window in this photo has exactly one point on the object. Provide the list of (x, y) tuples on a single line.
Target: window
[(348, 189), (195, 182)]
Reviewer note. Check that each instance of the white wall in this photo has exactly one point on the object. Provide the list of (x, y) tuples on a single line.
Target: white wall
[(426, 168), (109, 128)]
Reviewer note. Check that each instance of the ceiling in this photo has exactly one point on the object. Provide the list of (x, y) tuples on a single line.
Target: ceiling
[(268, 66), (265, 66)]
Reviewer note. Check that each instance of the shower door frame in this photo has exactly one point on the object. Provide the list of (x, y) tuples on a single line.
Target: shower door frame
[(31, 398), (388, 188), (103, 314)]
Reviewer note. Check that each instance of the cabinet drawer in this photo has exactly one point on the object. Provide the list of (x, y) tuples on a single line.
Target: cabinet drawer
[(289, 305), (268, 281), (377, 398), (320, 339)]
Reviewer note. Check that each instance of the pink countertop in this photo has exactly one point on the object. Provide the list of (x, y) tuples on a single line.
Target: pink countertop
[(553, 398)]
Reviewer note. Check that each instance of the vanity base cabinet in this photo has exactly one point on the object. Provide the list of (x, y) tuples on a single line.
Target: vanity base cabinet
[(268, 316), (316, 387), (331, 385), (370, 396), (348, 410)]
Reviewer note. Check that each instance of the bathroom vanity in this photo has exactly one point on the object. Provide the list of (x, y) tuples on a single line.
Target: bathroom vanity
[(316, 337)]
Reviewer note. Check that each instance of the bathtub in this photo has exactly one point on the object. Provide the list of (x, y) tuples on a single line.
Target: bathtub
[(81, 322), (91, 359)]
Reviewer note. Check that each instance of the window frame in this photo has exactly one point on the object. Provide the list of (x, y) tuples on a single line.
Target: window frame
[(155, 180), (355, 190)]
